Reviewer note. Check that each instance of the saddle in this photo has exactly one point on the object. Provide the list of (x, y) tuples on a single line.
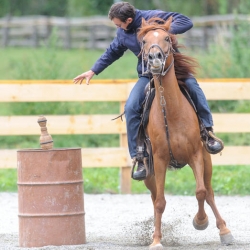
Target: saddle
[(143, 141)]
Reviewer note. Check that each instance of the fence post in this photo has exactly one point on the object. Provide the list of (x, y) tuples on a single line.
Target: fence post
[(205, 38), (67, 39), (35, 34), (125, 171), (6, 31), (92, 37)]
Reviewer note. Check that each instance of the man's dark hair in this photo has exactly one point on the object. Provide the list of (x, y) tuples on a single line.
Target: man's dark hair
[(122, 11)]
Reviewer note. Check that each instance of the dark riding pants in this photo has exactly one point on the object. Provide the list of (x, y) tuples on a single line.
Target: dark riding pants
[(133, 108)]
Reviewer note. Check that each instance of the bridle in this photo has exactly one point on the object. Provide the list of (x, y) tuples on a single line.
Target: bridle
[(164, 57)]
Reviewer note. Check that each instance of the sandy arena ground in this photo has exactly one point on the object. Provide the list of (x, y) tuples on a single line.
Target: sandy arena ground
[(125, 222)]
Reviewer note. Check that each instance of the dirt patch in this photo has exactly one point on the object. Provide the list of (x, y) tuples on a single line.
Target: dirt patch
[(125, 222)]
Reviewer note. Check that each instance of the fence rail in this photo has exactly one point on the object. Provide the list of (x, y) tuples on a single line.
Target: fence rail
[(97, 32), (108, 90)]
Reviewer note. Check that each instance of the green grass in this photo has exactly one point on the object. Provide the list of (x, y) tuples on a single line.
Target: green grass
[(53, 63), (227, 180), (8, 180)]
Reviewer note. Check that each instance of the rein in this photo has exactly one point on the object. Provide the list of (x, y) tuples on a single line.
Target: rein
[(173, 162), (163, 72)]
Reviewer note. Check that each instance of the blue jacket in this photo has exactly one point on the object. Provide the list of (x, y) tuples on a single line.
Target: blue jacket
[(128, 39)]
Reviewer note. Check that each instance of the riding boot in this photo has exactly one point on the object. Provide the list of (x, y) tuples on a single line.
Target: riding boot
[(140, 173), (213, 144)]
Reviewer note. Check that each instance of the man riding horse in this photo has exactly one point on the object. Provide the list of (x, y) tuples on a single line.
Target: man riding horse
[(128, 21)]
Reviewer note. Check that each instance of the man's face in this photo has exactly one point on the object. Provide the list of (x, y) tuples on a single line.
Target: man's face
[(123, 25)]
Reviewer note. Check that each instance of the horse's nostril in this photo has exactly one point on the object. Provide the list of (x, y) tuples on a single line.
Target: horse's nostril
[(159, 55), (150, 57)]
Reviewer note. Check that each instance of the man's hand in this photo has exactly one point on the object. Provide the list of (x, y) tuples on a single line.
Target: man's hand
[(86, 75)]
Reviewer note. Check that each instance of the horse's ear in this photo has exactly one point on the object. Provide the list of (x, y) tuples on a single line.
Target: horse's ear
[(168, 23), (143, 22)]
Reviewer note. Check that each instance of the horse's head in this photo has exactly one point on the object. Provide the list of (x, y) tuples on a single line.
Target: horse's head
[(156, 45)]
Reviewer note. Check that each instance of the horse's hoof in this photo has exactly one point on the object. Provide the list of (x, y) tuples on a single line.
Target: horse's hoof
[(202, 225), (156, 247), (226, 239)]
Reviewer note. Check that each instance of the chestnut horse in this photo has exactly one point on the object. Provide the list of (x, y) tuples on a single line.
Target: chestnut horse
[(173, 127)]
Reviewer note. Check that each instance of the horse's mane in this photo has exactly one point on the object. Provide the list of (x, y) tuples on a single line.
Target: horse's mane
[(184, 65)]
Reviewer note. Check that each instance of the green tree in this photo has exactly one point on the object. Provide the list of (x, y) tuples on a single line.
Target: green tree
[(31, 7), (223, 6), (78, 8), (244, 7)]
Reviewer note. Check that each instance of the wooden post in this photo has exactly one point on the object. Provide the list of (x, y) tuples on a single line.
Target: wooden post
[(205, 38), (34, 34), (48, 27), (92, 37), (5, 33), (125, 171), (67, 40)]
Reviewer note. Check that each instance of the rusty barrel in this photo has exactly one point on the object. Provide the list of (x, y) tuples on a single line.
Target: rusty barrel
[(50, 197)]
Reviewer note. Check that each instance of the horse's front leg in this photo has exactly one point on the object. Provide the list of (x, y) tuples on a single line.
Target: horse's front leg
[(200, 221), (150, 184), (159, 202)]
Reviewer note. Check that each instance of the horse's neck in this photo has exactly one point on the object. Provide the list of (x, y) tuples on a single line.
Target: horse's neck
[(171, 90)]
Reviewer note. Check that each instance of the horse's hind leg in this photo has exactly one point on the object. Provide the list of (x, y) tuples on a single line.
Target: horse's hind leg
[(225, 234)]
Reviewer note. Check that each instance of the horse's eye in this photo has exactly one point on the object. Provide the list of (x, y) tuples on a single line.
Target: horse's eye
[(167, 39), (143, 42)]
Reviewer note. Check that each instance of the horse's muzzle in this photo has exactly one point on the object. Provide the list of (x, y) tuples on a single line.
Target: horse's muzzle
[(156, 65)]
